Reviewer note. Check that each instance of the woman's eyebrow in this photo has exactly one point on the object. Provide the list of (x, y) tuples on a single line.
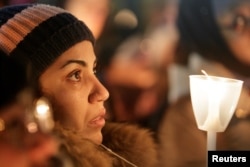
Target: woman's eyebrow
[(80, 62)]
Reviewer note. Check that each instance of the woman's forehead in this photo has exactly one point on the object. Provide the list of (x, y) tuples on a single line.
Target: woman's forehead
[(82, 51)]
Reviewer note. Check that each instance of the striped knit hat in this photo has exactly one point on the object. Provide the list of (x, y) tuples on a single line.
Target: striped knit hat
[(37, 34)]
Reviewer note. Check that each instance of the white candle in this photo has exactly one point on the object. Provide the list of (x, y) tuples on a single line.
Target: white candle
[(214, 100), (214, 94)]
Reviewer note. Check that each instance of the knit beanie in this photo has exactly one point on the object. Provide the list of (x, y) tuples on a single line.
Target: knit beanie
[(37, 34)]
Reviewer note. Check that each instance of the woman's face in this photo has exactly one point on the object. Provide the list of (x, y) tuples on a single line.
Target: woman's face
[(235, 27), (76, 94)]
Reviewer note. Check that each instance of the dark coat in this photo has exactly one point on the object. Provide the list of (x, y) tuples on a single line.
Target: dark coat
[(128, 141)]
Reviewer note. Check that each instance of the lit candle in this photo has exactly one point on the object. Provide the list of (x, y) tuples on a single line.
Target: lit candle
[(214, 93), (214, 100)]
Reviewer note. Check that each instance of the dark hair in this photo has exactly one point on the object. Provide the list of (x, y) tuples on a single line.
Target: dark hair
[(200, 33), (12, 79)]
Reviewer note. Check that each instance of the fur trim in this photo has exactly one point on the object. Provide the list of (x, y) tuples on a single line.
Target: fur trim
[(131, 142), (85, 152)]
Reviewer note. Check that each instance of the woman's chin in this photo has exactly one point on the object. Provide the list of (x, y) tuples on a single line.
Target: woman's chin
[(98, 139), (95, 138)]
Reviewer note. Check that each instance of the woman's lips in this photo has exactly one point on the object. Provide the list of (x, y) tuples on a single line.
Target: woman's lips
[(98, 121)]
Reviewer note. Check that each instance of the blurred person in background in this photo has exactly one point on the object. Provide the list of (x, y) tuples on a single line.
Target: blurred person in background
[(214, 36), (59, 50), (161, 29), (135, 56), (130, 71), (93, 12), (25, 140)]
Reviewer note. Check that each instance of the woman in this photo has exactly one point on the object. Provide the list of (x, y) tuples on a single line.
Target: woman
[(58, 48)]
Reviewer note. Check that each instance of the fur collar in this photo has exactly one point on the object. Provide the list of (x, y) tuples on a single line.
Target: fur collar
[(128, 141)]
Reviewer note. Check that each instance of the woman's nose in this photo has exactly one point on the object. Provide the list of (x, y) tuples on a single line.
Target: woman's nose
[(99, 92)]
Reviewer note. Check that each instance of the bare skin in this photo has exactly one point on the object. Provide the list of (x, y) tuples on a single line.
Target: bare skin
[(76, 94)]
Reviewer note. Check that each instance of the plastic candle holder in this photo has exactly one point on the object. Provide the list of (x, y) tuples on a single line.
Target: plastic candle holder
[(214, 100)]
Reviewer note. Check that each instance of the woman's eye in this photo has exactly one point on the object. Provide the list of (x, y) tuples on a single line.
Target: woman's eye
[(75, 76)]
